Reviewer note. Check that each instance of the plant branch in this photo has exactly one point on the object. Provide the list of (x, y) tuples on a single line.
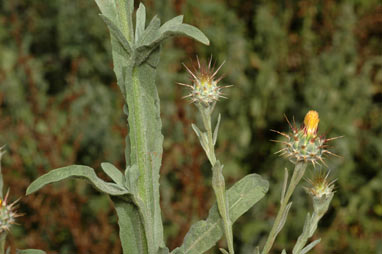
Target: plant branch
[(218, 182), (298, 173)]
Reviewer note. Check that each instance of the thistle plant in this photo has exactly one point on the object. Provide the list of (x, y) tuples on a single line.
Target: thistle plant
[(134, 190), (303, 146), (205, 92)]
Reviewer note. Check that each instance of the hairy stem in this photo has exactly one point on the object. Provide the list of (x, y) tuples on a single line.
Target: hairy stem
[(298, 173), (218, 183)]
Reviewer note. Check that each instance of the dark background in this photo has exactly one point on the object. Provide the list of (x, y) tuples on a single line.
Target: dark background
[(60, 105)]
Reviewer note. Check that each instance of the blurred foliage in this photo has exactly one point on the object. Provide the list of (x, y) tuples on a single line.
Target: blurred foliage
[(59, 105)]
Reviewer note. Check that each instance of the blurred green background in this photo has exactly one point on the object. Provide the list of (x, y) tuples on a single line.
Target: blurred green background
[(59, 105)]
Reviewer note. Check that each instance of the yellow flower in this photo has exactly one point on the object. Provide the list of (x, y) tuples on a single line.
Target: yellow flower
[(311, 121)]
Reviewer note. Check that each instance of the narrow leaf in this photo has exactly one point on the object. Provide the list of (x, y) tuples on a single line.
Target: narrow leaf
[(131, 230), (117, 34), (151, 32), (310, 246), (197, 131), (140, 22), (284, 185), (132, 176), (185, 29), (76, 171), (114, 173), (223, 251), (283, 218), (124, 10), (284, 252), (30, 251), (217, 129), (241, 196), (172, 22), (257, 250)]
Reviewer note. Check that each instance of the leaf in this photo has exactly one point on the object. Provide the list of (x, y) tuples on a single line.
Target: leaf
[(283, 252), (114, 173), (131, 230), (132, 176), (284, 185), (107, 8), (215, 137), (257, 250), (150, 43), (241, 197), (151, 32), (182, 29), (76, 171), (172, 22), (140, 22), (30, 251), (310, 246), (117, 34), (223, 251), (124, 10), (283, 218)]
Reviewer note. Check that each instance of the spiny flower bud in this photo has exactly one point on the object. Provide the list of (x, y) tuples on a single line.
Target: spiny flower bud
[(321, 191), (303, 144), (320, 186), (204, 88), (8, 214)]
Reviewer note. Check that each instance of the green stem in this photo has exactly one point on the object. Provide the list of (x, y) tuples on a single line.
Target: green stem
[(298, 173), (3, 237), (218, 183)]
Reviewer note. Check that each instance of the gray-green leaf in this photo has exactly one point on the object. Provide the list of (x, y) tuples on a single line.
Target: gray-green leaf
[(131, 230), (140, 22), (30, 251), (117, 34), (114, 173), (283, 218), (172, 22), (310, 246), (76, 171), (241, 196)]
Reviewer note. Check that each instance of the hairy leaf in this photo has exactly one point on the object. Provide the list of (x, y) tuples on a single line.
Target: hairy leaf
[(114, 173), (241, 196), (131, 230), (30, 251), (140, 22), (310, 246), (76, 171), (117, 34)]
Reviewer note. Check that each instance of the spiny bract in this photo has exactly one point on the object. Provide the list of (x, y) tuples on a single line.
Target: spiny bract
[(204, 88), (8, 214), (320, 185), (303, 144)]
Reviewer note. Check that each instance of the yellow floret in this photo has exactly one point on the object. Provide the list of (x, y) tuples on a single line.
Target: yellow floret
[(311, 122)]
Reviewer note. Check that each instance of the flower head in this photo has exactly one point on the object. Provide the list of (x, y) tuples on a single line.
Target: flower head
[(320, 185), (8, 214), (204, 88), (303, 144), (321, 191)]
